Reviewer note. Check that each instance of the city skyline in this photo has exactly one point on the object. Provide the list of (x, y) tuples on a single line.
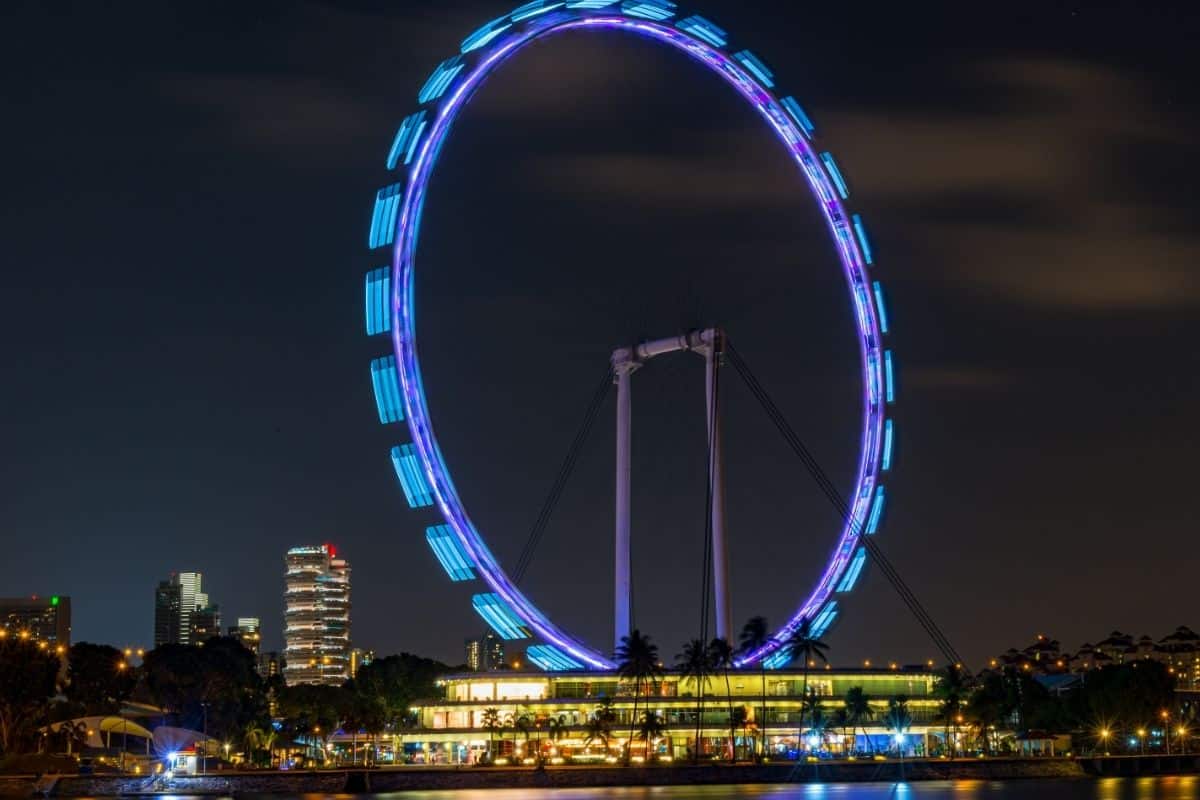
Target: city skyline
[(1023, 187)]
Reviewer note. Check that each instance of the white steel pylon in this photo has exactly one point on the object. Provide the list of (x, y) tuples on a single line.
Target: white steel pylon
[(625, 360)]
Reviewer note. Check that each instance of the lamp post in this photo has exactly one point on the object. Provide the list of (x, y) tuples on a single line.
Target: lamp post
[(204, 731), (1104, 734), (1166, 718), (1141, 734)]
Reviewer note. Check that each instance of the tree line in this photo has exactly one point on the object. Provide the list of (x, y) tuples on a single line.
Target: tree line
[(211, 687)]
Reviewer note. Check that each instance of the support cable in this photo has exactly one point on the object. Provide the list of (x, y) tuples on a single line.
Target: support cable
[(829, 489), (560, 481)]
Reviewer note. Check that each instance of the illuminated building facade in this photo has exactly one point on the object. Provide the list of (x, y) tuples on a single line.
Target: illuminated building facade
[(41, 619), (182, 611), (206, 622), (452, 728), (485, 653), (269, 664), (247, 632), (317, 616), (359, 658)]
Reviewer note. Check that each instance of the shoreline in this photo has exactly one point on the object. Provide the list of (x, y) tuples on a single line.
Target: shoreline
[(395, 779)]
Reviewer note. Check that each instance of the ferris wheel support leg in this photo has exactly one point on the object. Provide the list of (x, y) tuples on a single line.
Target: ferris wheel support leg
[(623, 366), (712, 350)]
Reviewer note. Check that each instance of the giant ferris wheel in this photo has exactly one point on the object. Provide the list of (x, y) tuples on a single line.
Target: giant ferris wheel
[(423, 473)]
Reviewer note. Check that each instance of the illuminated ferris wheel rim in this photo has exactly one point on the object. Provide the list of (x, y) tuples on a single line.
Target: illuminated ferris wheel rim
[(397, 380)]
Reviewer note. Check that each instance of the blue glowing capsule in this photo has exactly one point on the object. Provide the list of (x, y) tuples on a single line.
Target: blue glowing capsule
[(533, 9), (756, 67), (778, 660), (702, 29), (405, 143), (861, 232), (438, 82), (502, 619), (444, 543), (386, 382), (824, 619), (887, 445), (412, 479), (835, 174), (888, 380), (656, 10), (485, 34), (591, 4), (383, 219), (856, 568), (379, 292), (876, 511), (550, 658), (880, 307), (792, 107)]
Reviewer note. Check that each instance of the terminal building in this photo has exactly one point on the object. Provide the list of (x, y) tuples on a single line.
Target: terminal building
[(554, 713)]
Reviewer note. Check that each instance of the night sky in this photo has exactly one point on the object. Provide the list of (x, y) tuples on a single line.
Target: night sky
[(187, 195)]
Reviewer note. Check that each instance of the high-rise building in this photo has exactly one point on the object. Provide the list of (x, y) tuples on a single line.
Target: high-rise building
[(247, 632), (317, 616), (40, 619), (206, 622), (269, 664), (182, 611), (359, 658), (191, 597), (485, 653)]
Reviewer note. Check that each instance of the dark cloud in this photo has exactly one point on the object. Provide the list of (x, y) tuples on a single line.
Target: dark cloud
[(1030, 198)]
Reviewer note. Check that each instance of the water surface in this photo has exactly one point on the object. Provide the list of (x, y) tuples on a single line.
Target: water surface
[(1183, 787)]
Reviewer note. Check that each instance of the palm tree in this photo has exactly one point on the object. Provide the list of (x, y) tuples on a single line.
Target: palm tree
[(693, 663), (255, 740), (720, 655), (521, 723), (491, 721), (557, 728), (599, 725), (858, 710), (990, 703), (898, 718), (951, 688), (740, 718), (754, 636), (650, 728), (838, 720), (637, 660), (802, 644), (817, 717)]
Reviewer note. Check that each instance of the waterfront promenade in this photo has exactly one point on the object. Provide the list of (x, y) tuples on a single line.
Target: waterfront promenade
[(443, 778)]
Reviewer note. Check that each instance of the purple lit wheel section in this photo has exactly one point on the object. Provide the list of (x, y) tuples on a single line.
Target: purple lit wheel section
[(441, 485)]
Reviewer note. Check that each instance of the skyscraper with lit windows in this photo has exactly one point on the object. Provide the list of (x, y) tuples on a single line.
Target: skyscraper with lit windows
[(317, 616), (182, 611), (485, 653), (41, 619)]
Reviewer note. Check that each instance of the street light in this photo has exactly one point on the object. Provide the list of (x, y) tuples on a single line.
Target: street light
[(1104, 734), (1141, 734), (203, 762)]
